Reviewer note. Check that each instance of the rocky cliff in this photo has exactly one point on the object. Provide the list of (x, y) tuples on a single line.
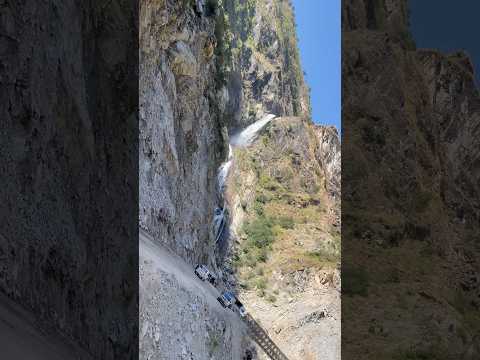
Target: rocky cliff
[(261, 61), (208, 69), (68, 114), (183, 140), (410, 119), (182, 130)]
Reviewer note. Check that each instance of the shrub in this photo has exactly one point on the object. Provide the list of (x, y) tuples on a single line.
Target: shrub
[(259, 232), (262, 198), (286, 222), (268, 183), (261, 284), (262, 255), (322, 255), (258, 207)]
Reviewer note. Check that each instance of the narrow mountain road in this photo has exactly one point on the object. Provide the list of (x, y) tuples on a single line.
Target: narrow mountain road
[(20, 337), (173, 264), (184, 273)]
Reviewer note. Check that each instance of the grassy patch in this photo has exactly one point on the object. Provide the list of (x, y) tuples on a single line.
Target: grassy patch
[(286, 222), (259, 232), (268, 183), (322, 256), (261, 283)]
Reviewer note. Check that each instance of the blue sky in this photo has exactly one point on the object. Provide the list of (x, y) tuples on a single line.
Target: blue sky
[(318, 29), (446, 26)]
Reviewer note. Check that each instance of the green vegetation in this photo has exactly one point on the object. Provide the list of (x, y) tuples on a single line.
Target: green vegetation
[(286, 29), (259, 232), (323, 256), (286, 222), (222, 50), (261, 283), (268, 183)]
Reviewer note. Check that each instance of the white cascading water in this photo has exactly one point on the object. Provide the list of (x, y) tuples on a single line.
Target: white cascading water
[(249, 134), (241, 139), (223, 170)]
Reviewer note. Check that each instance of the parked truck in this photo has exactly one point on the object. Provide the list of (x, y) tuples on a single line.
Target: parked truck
[(241, 308), (226, 299), (204, 274)]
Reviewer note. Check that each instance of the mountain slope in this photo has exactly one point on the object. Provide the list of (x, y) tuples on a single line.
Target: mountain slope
[(285, 223), (411, 209), (208, 70)]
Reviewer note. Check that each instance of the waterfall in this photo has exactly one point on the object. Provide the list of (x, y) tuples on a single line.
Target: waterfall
[(249, 134), (240, 139), (223, 170)]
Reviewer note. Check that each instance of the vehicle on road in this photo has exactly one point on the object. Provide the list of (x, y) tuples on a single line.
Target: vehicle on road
[(241, 308), (204, 274), (226, 299)]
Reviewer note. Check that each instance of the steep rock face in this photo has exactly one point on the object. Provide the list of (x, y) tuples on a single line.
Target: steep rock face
[(262, 64), (330, 158), (285, 226), (67, 106), (181, 138), (411, 141), (182, 143)]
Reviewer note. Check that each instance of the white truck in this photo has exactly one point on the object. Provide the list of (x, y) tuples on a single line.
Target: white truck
[(205, 275), (241, 308)]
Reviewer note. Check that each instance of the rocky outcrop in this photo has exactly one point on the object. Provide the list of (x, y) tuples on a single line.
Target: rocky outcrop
[(68, 74), (183, 138), (181, 129), (410, 119), (330, 158), (262, 66)]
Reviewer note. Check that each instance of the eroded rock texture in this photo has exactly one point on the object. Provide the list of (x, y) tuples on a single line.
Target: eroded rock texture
[(183, 138), (68, 107), (181, 128), (262, 63), (411, 208)]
